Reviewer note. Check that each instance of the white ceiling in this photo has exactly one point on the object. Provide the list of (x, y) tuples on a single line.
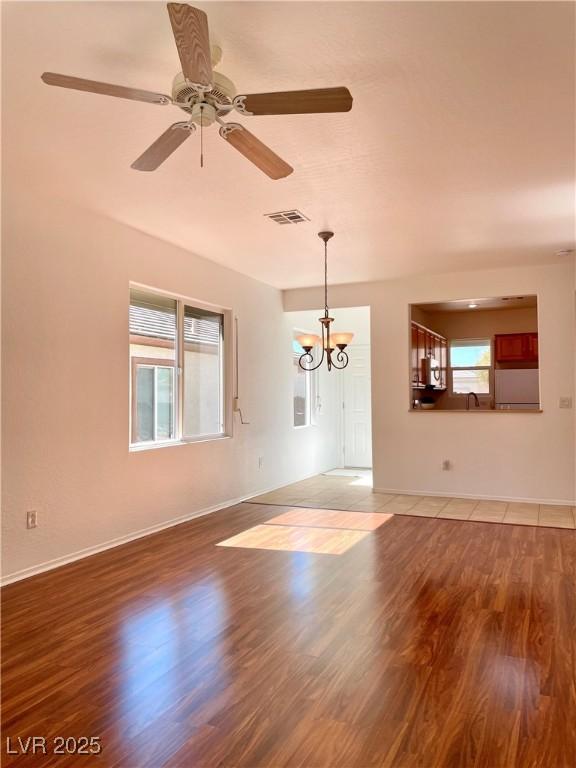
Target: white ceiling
[(458, 152)]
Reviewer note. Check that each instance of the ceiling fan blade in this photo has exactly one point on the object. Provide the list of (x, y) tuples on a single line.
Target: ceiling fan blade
[(163, 147), (295, 102), (255, 151), (190, 28), (106, 89)]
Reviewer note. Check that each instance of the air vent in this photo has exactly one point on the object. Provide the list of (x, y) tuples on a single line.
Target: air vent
[(287, 217)]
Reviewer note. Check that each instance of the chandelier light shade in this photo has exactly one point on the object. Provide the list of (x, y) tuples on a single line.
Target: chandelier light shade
[(308, 340), (329, 342)]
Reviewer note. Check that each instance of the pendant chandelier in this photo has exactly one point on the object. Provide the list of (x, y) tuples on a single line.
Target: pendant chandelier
[(328, 341)]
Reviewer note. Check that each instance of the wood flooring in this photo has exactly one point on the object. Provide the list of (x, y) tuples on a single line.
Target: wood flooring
[(429, 643)]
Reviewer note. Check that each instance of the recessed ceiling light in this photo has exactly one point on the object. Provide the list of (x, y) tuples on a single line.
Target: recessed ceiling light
[(472, 306)]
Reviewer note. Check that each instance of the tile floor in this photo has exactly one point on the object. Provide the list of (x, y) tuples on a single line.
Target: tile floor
[(354, 494)]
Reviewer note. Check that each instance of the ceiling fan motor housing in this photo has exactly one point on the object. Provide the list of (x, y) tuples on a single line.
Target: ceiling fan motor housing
[(203, 114), (223, 91)]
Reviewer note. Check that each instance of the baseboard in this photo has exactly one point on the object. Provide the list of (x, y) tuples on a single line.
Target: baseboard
[(49, 565), (482, 497)]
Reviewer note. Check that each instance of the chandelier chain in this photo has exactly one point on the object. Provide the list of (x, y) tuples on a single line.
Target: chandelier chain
[(326, 277)]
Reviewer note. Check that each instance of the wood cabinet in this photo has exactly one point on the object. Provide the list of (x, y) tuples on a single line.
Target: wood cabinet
[(436, 350), (533, 346), (426, 343), (414, 360), (421, 351), (444, 362), (516, 348)]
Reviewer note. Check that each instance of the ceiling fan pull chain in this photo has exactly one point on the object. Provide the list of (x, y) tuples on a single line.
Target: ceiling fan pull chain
[(201, 136)]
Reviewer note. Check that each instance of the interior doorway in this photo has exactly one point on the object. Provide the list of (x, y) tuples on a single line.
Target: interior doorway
[(333, 409)]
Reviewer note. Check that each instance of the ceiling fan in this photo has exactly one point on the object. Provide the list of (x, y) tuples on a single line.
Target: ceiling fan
[(208, 96)]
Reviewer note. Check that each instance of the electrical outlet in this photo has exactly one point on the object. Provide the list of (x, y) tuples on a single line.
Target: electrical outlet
[(565, 402), (260, 462), (446, 465), (31, 519)]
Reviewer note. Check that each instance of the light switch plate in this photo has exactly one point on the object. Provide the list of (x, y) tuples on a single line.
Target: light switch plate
[(565, 402)]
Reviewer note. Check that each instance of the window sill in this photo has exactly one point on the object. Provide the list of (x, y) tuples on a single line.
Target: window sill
[(173, 443)]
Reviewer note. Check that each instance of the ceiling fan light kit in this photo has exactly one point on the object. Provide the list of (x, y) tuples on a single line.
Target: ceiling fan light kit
[(209, 96), (328, 342)]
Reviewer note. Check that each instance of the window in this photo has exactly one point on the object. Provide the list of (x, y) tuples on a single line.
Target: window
[(203, 395), (153, 362), (154, 387), (305, 386), (168, 336), (470, 363)]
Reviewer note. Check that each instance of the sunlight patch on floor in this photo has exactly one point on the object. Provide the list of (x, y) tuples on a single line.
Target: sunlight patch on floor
[(325, 541), (324, 518)]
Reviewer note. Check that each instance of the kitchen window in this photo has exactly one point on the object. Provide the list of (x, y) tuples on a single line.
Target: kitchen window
[(178, 371), (470, 362)]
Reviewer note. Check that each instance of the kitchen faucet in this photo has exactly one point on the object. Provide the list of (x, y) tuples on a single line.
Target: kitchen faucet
[(476, 401)]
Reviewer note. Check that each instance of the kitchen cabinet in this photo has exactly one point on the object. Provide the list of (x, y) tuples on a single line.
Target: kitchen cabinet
[(443, 362), (532, 346), (422, 349), (436, 350), (414, 361), (426, 343), (516, 347)]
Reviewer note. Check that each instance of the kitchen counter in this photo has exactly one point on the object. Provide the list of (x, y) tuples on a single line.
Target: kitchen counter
[(476, 410)]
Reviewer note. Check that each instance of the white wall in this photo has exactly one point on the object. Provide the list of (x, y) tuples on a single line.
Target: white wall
[(65, 388), (495, 455)]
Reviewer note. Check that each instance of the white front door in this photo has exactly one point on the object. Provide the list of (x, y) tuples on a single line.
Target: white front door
[(357, 408)]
